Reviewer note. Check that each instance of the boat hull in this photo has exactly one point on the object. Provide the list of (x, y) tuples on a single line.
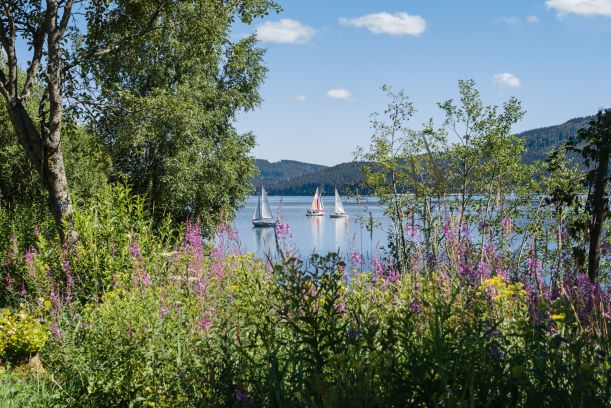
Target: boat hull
[(336, 215), (315, 214), (263, 223)]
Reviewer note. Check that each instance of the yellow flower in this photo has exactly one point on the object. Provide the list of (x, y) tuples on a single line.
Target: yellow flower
[(558, 317)]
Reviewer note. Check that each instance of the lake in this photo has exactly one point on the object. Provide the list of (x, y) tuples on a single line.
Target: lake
[(315, 234)]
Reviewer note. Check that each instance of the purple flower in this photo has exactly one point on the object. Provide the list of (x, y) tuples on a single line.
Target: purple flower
[(415, 306), (283, 230), (412, 232), (448, 233), (55, 300), (134, 250), (204, 323), (507, 224), (241, 395), (145, 279), (8, 279), (377, 267), (23, 292), (163, 312), (341, 308), (484, 270), (534, 265), (55, 330), (29, 255), (357, 259)]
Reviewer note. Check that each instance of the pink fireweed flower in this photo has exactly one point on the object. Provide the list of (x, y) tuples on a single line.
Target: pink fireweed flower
[(204, 323), (29, 255), (448, 233), (283, 230), (55, 300), (534, 265), (145, 279), (134, 250), (484, 270), (55, 330), (507, 224), (357, 259), (413, 232), (377, 267), (8, 280)]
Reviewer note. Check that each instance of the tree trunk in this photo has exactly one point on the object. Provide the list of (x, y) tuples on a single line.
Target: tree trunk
[(598, 205), (46, 157)]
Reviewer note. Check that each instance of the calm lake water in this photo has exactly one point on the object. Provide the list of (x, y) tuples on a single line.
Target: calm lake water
[(315, 234)]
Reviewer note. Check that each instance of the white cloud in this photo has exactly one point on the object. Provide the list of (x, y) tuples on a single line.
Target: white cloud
[(532, 19), (581, 7), (397, 24), (510, 20), (513, 20), (301, 98), (339, 94), (507, 80), (285, 31)]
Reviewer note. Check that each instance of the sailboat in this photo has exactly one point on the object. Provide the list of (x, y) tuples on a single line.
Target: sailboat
[(263, 214), (317, 207), (339, 207)]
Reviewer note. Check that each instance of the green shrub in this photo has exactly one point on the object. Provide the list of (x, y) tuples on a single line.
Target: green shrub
[(21, 335)]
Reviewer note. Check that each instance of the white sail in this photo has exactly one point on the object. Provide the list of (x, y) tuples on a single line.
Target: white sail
[(320, 204), (315, 202), (266, 212), (262, 211), (339, 206)]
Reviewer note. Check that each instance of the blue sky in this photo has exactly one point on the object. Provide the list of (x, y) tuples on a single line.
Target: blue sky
[(327, 60)]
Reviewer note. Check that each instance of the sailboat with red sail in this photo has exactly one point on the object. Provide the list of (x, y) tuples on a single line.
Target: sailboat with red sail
[(317, 208)]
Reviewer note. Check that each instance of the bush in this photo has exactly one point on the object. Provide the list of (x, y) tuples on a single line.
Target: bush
[(21, 335)]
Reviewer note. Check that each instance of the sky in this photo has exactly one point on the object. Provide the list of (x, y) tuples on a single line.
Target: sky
[(328, 59)]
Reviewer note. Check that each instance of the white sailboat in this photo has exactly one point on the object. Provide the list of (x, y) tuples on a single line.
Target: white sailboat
[(339, 207), (263, 214), (317, 208)]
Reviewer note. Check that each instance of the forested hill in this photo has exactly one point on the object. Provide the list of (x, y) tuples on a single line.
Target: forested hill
[(271, 173), (540, 141), (288, 177), (346, 177)]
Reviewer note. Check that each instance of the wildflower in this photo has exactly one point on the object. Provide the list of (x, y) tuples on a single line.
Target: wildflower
[(495, 352), (448, 233), (413, 232), (353, 333), (134, 250), (283, 230), (507, 224), (29, 256), (55, 330), (341, 308), (484, 270), (357, 259), (204, 323), (163, 312), (377, 267), (241, 395), (559, 317), (55, 300), (9, 281), (415, 307), (23, 292), (145, 279), (534, 265)]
